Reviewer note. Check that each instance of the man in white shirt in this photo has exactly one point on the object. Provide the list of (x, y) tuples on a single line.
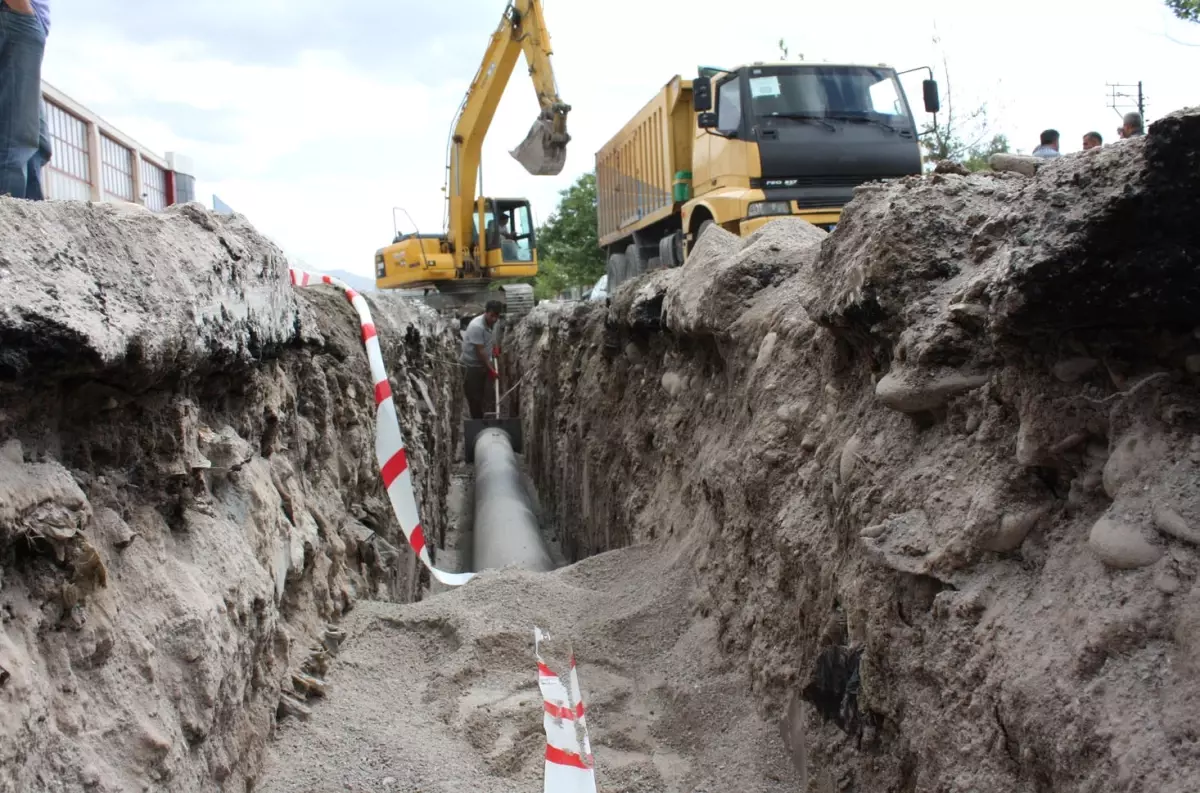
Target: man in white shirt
[(1131, 126), (477, 344), (1049, 145)]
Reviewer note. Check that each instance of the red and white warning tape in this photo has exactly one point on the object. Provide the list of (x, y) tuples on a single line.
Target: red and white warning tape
[(570, 767), (389, 441)]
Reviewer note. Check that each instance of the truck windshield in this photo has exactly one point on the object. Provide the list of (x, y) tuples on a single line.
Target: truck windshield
[(851, 92)]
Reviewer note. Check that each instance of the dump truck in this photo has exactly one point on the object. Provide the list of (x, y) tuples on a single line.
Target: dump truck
[(740, 147), (488, 241)]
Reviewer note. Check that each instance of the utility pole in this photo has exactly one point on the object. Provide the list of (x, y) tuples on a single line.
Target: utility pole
[(1121, 94)]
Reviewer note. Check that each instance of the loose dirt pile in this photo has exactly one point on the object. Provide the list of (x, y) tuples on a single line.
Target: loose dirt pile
[(937, 476), (188, 491), (442, 695)]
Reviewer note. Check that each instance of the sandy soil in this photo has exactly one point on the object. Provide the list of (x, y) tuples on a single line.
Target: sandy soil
[(442, 695)]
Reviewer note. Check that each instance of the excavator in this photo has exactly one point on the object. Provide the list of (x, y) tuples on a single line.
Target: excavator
[(487, 241)]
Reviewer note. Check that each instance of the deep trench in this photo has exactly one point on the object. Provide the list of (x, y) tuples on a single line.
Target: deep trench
[(746, 508)]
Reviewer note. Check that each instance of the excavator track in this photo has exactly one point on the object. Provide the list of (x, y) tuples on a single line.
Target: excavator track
[(466, 300)]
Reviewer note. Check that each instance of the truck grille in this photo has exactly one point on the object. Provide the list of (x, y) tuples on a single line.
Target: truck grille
[(799, 182)]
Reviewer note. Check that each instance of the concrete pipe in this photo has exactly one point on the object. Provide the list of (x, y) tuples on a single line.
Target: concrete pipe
[(506, 532)]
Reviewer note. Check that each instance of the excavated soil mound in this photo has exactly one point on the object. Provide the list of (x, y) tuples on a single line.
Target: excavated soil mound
[(188, 491), (937, 475)]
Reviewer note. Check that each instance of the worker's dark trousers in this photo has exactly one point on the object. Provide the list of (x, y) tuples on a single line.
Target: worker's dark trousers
[(475, 387)]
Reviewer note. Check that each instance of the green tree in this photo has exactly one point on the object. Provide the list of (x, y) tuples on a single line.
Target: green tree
[(569, 238), (549, 282), (1187, 10), (977, 157)]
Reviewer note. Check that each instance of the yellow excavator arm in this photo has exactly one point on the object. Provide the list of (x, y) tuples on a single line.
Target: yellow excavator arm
[(544, 150)]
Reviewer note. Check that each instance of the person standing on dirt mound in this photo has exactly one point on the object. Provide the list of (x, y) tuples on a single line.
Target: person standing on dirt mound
[(1131, 126), (477, 366), (23, 144), (1049, 145)]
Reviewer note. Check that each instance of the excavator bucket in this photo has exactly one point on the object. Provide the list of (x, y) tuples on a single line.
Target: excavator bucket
[(544, 151)]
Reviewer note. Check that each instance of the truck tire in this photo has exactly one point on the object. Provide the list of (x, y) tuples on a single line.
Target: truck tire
[(666, 251), (637, 265), (618, 271)]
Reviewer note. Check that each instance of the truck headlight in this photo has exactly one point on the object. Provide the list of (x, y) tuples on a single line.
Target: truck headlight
[(763, 208), (380, 267)]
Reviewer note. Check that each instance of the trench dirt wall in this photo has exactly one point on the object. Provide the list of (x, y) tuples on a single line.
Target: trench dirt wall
[(942, 468), (189, 498)]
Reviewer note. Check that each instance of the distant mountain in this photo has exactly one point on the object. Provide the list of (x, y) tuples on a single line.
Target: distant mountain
[(360, 283)]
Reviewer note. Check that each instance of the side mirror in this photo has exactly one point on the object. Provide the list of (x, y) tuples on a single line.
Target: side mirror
[(702, 94), (933, 102), (707, 120)]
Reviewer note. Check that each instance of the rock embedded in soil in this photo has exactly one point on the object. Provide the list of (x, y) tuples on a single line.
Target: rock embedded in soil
[(1071, 369), (1121, 545), (914, 392), (1172, 524), (849, 459), (1131, 454), (1017, 163), (1012, 529), (672, 383)]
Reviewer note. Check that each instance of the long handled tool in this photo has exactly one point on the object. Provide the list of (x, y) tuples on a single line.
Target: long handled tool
[(496, 382)]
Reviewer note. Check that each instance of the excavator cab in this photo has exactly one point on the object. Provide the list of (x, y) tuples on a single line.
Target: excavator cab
[(509, 241)]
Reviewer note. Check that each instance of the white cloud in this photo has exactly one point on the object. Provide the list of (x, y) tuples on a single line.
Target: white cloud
[(320, 150)]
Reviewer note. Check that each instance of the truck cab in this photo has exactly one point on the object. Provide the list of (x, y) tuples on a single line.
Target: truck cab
[(795, 139)]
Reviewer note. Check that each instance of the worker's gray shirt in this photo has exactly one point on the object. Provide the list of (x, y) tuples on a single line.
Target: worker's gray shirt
[(477, 332)]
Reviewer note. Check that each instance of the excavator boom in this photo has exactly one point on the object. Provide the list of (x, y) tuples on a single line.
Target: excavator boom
[(543, 152)]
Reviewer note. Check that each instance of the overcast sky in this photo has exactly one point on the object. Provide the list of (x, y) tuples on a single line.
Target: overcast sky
[(314, 119)]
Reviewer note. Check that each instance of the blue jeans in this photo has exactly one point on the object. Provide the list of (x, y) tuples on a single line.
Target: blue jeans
[(34, 189), (22, 44)]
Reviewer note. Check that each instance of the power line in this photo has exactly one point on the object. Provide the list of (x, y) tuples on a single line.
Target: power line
[(1123, 97)]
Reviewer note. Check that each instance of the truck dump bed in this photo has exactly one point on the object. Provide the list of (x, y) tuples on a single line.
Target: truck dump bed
[(635, 170)]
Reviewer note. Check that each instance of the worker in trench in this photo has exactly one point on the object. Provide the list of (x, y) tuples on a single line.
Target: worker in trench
[(478, 344)]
